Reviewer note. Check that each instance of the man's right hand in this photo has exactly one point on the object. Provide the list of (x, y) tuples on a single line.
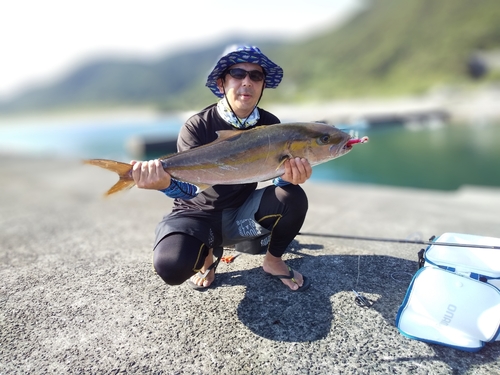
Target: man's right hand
[(150, 175)]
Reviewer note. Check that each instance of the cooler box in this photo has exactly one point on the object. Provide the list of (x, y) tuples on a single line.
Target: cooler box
[(454, 300)]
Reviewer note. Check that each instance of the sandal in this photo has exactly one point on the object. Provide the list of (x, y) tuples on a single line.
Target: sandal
[(305, 285), (203, 275)]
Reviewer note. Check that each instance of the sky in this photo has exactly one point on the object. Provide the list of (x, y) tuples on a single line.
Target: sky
[(42, 40)]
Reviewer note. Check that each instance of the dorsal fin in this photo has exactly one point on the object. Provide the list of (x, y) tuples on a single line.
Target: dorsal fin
[(222, 135), (226, 134)]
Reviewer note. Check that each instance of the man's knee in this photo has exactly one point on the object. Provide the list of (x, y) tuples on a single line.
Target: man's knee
[(177, 256), (166, 270), (294, 198)]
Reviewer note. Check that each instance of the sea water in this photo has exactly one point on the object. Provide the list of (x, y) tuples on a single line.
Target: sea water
[(105, 139), (443, 157)]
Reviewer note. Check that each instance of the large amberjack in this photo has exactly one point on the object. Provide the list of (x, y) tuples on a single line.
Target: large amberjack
[(244, 156)]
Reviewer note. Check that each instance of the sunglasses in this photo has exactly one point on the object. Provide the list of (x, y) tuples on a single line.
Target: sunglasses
[(238, 73)]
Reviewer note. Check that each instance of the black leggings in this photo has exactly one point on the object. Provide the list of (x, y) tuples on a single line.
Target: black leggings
[(282, 210)]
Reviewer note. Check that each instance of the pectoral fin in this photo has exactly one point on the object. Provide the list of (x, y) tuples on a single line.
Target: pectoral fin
[(283, 159)]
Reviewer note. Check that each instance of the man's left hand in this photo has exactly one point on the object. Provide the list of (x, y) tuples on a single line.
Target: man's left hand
[(297, 171)]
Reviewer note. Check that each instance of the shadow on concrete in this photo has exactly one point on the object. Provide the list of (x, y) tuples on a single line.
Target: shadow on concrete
[(271, 311)]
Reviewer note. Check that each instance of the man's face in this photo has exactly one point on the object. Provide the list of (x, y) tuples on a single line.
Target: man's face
[(242, 94)]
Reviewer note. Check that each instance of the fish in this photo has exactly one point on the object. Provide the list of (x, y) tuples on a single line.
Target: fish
[(245, 156)]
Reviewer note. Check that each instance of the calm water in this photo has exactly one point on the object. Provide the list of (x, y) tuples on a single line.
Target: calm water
[(107, 139), (444, 158)]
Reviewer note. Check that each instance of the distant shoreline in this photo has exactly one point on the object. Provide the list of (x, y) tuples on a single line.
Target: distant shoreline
[(109, 116), (462, 107)]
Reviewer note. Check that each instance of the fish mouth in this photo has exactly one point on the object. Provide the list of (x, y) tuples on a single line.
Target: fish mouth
[(338, 150), (353, 141)]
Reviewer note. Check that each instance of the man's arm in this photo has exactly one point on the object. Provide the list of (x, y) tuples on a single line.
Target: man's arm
[(151, 175)]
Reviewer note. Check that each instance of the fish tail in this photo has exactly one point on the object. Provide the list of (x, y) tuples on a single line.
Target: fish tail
[(122, 169)]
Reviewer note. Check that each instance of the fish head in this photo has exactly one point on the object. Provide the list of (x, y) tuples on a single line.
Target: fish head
[(336, 140), (325, 142)]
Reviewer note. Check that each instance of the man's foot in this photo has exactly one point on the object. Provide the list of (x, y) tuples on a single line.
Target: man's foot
[(275, 266), (202, 279)]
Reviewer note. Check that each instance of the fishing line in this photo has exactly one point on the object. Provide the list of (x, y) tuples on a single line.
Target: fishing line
[(357, 279), (361, 300), (394, 240)]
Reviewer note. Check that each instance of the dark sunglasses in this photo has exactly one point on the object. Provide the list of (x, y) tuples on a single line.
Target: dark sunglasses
[(238, 73)]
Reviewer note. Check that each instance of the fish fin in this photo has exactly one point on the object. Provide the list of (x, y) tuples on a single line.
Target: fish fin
[(122, 169), (122, 184), (283, 159), (225, 134), (203, 186)]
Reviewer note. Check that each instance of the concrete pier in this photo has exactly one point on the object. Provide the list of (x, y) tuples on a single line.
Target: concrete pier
[(78, 294)]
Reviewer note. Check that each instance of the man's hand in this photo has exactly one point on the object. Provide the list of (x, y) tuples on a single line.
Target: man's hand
[(150, 175), (297, 171)]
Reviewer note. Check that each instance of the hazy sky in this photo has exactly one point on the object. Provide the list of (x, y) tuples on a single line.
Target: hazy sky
[(43, 39)]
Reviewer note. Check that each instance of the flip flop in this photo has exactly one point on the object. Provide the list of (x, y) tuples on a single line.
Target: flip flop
[(305, 285), (201, 288)]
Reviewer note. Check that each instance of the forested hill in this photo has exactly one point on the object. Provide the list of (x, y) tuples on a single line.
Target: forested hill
[(393, 47)]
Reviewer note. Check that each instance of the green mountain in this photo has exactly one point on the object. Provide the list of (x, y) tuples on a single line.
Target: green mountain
[(105, 83), (393, 47)]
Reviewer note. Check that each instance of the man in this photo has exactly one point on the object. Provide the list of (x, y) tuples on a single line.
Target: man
[(228, 214)]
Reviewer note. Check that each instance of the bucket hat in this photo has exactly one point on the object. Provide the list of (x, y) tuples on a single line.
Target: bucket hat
[(244, 54)]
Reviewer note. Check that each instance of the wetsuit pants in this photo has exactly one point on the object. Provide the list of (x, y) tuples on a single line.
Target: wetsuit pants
[(281, 211)]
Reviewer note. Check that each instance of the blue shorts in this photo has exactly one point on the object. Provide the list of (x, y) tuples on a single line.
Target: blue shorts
[(235, 226)]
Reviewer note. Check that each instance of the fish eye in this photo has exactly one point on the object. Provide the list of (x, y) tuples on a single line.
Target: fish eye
[(323, 140)]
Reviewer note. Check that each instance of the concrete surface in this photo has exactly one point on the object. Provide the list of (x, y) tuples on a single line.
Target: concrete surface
[(78, 294)]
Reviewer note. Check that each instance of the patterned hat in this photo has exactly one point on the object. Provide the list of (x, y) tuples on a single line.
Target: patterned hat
[(244, 54)]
